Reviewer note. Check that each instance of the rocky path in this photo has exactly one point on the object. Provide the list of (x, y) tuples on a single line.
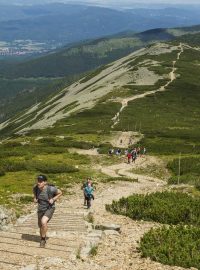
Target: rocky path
[(125, 139), (19, 244), (172, 77), (71, 236)]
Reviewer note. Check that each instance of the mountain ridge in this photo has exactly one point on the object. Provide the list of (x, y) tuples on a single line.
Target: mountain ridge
[(82, 94)]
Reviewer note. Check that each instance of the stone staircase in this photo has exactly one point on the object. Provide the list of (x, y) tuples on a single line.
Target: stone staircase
[(19, 244)]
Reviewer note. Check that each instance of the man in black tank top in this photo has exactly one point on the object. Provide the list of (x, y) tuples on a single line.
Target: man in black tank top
[(45, 195)]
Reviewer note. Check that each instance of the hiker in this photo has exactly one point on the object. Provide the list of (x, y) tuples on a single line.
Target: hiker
[(138, 151), (45, 195), (88, 191), (134, 155), (110, 152), (85, 184), (118, 152), (129, 157), (125, 152)]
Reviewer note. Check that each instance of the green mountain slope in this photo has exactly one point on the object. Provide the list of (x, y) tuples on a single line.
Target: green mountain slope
[(44, 75), (157, 84), (86, 56), (22, 84), (153, 92)]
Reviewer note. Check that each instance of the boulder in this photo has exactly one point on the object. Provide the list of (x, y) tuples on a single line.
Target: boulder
[(6, 216), (110, 226)]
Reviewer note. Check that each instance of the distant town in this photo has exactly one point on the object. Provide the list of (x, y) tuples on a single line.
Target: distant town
[(26, 47)]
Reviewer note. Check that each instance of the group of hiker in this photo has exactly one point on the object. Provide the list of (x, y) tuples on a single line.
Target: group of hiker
[(131, 154), (46, 194), (134, 153)]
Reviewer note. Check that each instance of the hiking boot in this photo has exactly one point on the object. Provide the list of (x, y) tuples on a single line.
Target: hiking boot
[(42, 243)]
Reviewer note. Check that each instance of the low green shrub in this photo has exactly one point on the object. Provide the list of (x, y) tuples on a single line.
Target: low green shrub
[(16, 152), (197, 184), (50, 167), (83, 145), (163, 207), (189, 170), (104, 148), (2, 171), (47, 140), (67, 142), (187, 165), (93, 251), (113, 179), (12, 144), (13, 165), (35, 165), (26, 199), (189, 178), (173, 246)]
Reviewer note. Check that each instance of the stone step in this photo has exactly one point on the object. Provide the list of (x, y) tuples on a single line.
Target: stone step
[(56, 221), (25, 250), (52, 222), (25, 240), (56, 228), (10, 260), (70, 240), (19, 247), (60, 216)]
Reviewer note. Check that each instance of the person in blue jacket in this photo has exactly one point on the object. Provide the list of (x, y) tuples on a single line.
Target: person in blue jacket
[(88, 191)]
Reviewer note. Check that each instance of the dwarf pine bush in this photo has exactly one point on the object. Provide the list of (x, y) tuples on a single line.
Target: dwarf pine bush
[(163, 207), (177, 245)]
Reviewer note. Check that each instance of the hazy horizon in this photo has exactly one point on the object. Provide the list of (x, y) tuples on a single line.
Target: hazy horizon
[(113, 3)]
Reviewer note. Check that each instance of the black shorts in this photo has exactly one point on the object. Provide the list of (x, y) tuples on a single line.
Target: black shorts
[(48, 213)]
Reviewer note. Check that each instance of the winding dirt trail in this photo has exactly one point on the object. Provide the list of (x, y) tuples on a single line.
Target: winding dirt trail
[(120, 251), (172, 77), (125, 139), (115, 251)]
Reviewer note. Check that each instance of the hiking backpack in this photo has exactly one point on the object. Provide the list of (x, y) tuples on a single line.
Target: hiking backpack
[(36, 191)]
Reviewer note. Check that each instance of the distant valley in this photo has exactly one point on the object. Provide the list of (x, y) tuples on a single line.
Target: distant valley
[(32, 30), (26, 82)]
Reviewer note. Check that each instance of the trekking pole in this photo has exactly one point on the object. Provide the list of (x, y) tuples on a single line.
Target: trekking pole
[(179, 168)]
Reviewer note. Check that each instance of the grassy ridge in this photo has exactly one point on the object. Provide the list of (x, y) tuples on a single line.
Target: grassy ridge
[(170, 119)]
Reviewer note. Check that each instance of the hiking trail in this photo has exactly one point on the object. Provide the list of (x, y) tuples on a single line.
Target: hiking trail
[(71, 237), (172, 77)]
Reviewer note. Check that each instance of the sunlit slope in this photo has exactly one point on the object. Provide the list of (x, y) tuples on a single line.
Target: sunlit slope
[(23, 83), (155, 91), (136, 73)]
